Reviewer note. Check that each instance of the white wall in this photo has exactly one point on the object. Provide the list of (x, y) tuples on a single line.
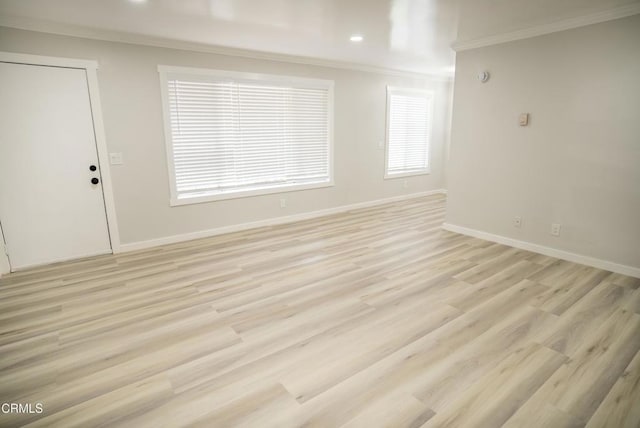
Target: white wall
[(577, 163), (130, 92)]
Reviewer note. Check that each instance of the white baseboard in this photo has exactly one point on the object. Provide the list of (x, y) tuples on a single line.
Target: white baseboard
[(134, 246), (547, 251)]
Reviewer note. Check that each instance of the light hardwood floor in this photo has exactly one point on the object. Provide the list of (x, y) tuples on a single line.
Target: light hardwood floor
[(372, 318)]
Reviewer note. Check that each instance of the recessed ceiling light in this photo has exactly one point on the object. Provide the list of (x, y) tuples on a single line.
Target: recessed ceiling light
[(356, 38), (138, 1)]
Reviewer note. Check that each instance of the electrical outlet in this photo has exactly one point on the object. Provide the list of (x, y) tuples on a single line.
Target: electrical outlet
[(115, 158), (517, 221), (283, 203), (405, 184), (381, 144), (555, 229)]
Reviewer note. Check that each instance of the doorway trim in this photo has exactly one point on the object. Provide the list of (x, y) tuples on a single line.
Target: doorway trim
[(90, 67)]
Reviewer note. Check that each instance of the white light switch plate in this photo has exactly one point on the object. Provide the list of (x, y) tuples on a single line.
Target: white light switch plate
[(115, 158)]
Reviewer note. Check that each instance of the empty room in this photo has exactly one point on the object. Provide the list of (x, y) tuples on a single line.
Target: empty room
[(320, 213)]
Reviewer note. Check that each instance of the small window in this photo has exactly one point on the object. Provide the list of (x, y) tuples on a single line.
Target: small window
[(234, 134), (409, 117)]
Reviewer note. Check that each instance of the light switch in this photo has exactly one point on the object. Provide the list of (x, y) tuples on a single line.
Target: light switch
[(524, 119), (115, 158)]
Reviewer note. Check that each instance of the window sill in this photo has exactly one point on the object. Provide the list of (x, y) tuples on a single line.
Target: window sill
[(406, 174), (212, 197)]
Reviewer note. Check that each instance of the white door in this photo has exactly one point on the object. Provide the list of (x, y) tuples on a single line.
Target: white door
[(49, 208)]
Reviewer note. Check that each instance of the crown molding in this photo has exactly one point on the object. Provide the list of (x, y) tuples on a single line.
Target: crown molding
[(49, 27), (554, 27)]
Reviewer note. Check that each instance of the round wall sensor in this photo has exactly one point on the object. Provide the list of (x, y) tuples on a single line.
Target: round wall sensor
[(483, 76)]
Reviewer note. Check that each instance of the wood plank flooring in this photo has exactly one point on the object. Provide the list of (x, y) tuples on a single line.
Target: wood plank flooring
[(372, 318)]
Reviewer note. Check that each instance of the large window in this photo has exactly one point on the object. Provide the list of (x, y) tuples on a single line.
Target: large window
[(233, 134), (409, 117)]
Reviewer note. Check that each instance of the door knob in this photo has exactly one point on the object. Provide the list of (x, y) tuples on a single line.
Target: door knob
[(92, 168), (94, 180)]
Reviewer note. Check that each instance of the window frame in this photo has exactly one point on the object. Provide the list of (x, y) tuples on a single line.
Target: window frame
[(204, 74), (429, 95)]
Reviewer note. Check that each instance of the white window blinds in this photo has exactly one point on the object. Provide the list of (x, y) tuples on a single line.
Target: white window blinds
[(409, 115), (234, 136)]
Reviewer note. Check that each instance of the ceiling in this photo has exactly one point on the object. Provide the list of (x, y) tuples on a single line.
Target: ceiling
[(407, 35)]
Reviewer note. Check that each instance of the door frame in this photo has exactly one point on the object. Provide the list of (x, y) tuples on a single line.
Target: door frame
[(90, 67)]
